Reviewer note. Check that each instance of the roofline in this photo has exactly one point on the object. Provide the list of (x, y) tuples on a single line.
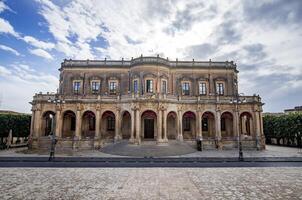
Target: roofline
[(147, 60)]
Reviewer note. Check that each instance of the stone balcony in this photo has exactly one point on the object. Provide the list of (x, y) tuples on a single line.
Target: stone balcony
[(146, 97)]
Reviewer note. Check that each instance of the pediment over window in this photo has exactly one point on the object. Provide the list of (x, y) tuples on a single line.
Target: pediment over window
[(95, 78), (186, 78), (164, 76), (135, 75), (149, 75), (113, 78), (202, 78), (77, 77), (220, 79)]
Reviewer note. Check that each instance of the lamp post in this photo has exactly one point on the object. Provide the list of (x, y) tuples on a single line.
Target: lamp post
[(56, 101), (236, 101)]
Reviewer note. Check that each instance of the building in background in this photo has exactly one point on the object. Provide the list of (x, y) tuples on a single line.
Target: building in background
[(297, 109), (147, 98)]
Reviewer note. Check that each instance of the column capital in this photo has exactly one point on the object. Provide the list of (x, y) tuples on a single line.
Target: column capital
[(79, 107), (58, 107), (98, 107)]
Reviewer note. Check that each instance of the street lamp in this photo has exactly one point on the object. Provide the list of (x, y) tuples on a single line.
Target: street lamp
[(236, 101), (56, 101)]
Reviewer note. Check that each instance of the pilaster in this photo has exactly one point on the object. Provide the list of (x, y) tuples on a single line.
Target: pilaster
[(79, 123), (98, 123), (58, 118), (180, 131), (137, 126), (131, 140)]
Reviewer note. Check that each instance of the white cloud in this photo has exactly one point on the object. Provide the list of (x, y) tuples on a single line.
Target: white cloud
[(216, 29), (6, 48), (3, 7), (6, 27), (42, 53), (4, 71), (24, 82), (37, 43)]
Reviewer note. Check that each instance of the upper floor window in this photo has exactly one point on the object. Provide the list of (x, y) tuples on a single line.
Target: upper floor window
[(76, 87), (164, 87), (95, 86), (112, 87), (202, 88), (186, 88), (220, 88), (135, 86), (149, 86)]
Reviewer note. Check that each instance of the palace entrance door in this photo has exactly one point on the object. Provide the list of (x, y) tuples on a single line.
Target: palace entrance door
[(149, 128)]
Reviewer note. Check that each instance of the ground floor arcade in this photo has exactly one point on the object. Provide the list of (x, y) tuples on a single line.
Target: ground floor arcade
[(218, 128)]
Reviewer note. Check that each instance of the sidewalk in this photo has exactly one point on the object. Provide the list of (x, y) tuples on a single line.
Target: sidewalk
[(270, 152)]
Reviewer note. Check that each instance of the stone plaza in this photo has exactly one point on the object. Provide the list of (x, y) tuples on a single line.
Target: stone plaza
[(151, 183)]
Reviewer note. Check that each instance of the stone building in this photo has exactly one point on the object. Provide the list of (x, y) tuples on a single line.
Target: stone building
[(147, 98)]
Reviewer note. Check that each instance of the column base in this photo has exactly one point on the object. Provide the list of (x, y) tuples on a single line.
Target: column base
[(162, 141), (219, 144), (132, 141), (117, 138), (75, 142), (180, 138), (98, 143)]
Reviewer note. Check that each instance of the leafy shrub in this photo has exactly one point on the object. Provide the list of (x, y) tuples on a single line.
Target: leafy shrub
[(287, 128), (19, 124)]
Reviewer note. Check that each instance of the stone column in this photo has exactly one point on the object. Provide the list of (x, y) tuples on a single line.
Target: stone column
[(218, 128), (180, 131), (165, 139), (58, 130), (97, 124), (38, 122), (235, 124), (78, 125), (159, 126), (198, 135), (132, 125), (138, 126), (117, 125)]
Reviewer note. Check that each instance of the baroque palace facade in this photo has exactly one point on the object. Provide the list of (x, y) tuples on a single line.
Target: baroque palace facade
[(147, 98)]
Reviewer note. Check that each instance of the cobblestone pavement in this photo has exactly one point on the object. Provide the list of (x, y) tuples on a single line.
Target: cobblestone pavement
[(151, 183)]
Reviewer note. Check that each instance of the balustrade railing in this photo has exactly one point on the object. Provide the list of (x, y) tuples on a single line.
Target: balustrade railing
[(125, 97)]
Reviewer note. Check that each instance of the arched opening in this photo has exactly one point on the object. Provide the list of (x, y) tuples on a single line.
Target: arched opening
[(48, 123), (149, 124), (69, 124), (246, 125), (227, 125), (172, 125), (208, 125), (189, 125), (88, 124), (126, 125), (108, 125)]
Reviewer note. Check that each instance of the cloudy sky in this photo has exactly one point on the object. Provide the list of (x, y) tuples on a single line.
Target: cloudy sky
[(264, 38)]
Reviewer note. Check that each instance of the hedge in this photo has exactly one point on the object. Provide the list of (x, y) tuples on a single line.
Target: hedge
[(19, 124), (287, 128)]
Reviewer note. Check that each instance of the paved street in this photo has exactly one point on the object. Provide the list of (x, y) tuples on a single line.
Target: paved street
[(151, 183)]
